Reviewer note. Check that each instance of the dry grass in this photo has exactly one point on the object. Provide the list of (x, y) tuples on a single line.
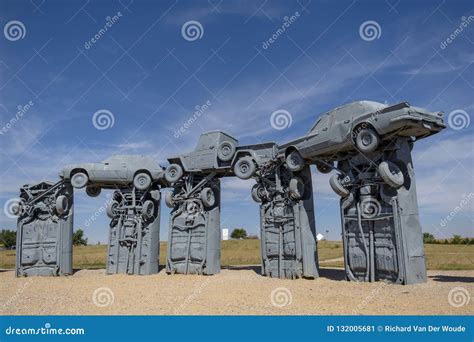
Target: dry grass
[(247, 252)]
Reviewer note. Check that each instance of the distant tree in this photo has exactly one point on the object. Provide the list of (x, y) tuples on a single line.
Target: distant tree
[(456, 239), (466, 241), (238, 233), (428, 238), (252, 237), (8, 238), (78, 238)]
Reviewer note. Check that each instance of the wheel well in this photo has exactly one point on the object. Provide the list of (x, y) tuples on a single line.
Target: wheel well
[(142, 171), (362, 125), (73, 172), (240, 154), (289, 149)]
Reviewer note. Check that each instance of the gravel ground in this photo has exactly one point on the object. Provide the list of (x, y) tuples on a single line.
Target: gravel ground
[(236, 291)]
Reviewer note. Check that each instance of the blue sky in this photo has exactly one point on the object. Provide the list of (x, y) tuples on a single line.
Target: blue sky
[(143, 71)]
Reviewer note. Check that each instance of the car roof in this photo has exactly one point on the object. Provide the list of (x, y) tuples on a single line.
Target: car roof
[(127, 157), (349, 109)]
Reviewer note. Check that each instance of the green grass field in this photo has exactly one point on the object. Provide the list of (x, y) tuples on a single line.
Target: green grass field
[(247, 252)]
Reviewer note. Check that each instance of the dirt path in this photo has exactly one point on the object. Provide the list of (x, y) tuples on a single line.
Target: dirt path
[(234, 291), (331, 260)]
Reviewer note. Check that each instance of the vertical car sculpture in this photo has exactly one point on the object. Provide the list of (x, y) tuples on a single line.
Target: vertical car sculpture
[(287, 227), (134, 236), (134, 210), (44, 230), (372, 144)]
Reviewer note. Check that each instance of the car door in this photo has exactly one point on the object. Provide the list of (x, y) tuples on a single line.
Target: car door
[(110, 171), (318, 139)]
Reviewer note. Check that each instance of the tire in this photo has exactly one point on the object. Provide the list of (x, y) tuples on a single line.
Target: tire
[(93, 191), (337, 187), (111, 209), (17, 208), (296, 188), (258, 193), (367, 140), (294, 161), (79, 180), (169, 200), (244, 168), (226, 150), (148, 209), (142, 181), (173, 173), (208, 198), (323, 168), (155, 194), (62, 204), (391, 174)]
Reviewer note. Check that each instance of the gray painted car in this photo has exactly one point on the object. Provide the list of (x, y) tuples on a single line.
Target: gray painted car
[(218, 152), (114, 172), (358, 127)]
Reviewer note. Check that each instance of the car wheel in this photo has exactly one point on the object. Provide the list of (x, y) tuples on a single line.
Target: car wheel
[(142, 181), (93, 191), (258, 193), (79, 180), (148, 209), (296, 188), (325, 168), (337, 186), (173, 173), (61, 205), (155, 194), (16, 207), (294, 161), (208, 198), (244, 168), (170, 203), (367, 140), (391, 174), (226, 150), (112, 209)]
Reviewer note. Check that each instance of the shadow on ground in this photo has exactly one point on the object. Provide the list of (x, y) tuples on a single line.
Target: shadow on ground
[(255, 268), (337, 274), (450, 279)]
